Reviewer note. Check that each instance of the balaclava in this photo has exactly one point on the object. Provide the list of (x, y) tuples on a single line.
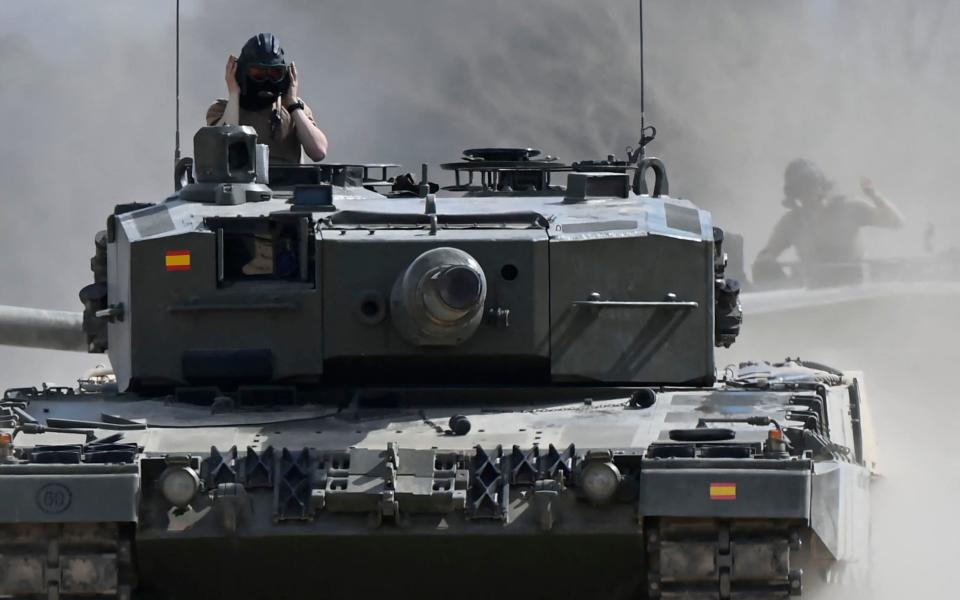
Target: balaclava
[(262, 72)]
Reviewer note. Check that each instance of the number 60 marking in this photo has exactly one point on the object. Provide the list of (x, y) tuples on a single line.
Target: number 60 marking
[(53, 498)]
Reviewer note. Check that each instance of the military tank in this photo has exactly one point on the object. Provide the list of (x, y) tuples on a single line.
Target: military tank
[(330, 381)]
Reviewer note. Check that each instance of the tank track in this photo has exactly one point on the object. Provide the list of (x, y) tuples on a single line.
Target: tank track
[(65, 561), (712, 559)]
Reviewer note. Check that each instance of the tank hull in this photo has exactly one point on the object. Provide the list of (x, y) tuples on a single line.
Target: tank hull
[(289, 501)]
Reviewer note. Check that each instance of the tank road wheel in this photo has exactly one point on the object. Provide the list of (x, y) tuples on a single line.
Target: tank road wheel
[(708, 559), (653, 560), (66, 561)]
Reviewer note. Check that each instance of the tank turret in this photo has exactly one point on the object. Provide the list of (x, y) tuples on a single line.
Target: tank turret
[(330, 277)]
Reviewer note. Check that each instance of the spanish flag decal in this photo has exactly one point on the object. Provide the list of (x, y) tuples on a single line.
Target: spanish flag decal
[(178, 260), (723, 491)]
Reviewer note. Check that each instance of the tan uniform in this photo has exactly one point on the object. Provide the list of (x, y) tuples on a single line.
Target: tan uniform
[(827, 239), (275, 128), (827, 234)]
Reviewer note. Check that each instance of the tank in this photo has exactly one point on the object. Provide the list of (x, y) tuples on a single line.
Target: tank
[(328, 380)]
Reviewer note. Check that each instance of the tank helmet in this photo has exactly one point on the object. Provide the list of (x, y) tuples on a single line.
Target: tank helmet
[(801, 176), (262, 72)]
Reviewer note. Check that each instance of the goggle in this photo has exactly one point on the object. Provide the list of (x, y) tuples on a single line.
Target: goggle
[(261, 73)]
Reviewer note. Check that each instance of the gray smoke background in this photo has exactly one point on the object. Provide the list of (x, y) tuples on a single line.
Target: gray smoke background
[(737, 89)]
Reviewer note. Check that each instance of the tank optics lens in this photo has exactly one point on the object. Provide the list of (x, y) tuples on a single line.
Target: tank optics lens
[(179, 485), (599, 481), (460, 287)]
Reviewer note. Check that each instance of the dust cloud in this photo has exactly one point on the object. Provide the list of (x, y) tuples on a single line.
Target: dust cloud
[(737, 88), (906, 349)]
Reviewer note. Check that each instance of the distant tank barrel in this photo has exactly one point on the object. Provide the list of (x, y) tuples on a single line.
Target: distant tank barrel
[(36, 328)]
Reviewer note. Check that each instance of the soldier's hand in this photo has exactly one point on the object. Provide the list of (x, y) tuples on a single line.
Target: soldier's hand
[(866, 184), (293, 92), (230, 76)]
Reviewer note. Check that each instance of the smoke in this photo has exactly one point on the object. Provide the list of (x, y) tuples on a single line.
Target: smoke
[(737, 88)]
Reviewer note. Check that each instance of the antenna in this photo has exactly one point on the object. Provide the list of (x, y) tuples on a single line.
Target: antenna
[(647, 134), (643, 106), (176, 149)]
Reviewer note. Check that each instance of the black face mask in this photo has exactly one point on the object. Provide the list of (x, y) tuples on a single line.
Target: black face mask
[(258, 95)]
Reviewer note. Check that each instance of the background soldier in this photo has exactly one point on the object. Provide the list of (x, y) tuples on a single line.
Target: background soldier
[(824, 230)]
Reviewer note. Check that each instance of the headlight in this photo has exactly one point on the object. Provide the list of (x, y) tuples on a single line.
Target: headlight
[(179, 485), (599, 481)]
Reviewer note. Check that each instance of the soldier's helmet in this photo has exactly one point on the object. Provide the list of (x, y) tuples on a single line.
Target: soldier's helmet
[(262, 70), (801, 179)]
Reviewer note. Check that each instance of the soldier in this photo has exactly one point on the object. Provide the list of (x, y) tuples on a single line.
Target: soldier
[(263, 94), (824, 230)]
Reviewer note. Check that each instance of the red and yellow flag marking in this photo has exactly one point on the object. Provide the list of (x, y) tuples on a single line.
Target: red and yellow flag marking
[(177, 260), (723, 491)]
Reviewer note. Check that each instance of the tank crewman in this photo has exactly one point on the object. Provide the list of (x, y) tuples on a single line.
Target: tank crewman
[(823, 229), (262, 90)]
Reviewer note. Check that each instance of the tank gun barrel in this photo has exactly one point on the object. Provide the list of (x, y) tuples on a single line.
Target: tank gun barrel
[(37, 328)]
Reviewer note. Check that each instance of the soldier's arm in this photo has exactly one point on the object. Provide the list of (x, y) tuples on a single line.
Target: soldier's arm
[(313, 140), (883, 213), (231, 112), (780, 240), (311, 137)]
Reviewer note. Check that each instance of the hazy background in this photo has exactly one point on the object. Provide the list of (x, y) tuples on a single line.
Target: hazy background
[(737, 89)]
